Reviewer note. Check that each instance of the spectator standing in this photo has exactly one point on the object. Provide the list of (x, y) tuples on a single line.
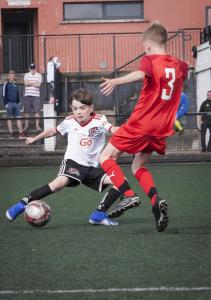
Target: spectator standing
[(11, 101), (52, 66), (205, 122), (32, 100)]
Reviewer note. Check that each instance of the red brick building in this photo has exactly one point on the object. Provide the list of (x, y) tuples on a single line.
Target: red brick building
[(90, 35)]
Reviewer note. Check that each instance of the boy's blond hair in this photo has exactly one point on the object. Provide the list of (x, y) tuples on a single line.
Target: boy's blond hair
[(156, 33)]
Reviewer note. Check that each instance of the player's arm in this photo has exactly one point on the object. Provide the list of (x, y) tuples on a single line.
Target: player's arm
[(113, 129), (108, 126), (199, 117), (43, 135), (109, 84), (28, 83), (37, 84)]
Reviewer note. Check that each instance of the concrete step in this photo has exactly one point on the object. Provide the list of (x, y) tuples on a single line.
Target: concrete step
[(42, 158), (20, 149), (15, 141)]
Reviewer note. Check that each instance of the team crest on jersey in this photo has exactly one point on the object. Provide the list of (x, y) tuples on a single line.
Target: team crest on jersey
[(73, 171), (93, 131)]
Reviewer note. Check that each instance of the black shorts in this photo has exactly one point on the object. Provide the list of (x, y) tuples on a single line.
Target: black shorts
[(89, 176)]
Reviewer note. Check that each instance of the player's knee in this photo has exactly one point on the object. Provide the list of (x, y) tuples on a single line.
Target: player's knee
[(58, 184), (103, 157), (134, 170)]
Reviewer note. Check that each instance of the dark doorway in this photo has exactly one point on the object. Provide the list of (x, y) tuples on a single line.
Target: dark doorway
[(17, 34)]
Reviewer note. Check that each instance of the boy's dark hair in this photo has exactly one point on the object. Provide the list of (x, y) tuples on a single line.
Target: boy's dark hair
[(81, 95), (156, 33)]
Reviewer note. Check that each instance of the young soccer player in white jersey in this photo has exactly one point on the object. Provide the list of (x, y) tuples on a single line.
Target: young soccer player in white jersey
[(86, 132)]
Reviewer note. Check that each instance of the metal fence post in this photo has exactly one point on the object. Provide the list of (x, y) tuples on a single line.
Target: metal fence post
[(10, 54), (183, 45), (115, 95), (79, 59), (45, 68), (66, 94)]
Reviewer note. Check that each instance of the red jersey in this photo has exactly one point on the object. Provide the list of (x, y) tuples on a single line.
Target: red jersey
[(155, 111), (154, 114)]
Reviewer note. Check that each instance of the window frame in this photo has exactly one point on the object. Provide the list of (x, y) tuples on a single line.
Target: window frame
[(103, 10)]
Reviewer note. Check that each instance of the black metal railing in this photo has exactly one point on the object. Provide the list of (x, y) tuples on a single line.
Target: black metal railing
[(84, 53), (188, 142)]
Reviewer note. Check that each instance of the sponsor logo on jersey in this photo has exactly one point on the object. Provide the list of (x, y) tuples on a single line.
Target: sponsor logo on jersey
[(73, 171), (86, 142), (94, 131)]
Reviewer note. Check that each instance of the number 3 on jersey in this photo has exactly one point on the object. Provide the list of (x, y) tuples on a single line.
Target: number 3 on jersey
[(170, 74)]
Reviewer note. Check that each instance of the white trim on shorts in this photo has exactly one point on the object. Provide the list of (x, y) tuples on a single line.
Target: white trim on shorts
[(101, 182), (62, 168)]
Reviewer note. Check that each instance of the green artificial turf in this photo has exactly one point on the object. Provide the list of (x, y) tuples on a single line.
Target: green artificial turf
[(70, 259)]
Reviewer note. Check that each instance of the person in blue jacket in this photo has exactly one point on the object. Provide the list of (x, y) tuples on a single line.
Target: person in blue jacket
[(11, 100), (182, 110)]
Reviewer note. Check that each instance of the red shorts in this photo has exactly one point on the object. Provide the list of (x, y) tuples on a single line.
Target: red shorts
[(133, 142)]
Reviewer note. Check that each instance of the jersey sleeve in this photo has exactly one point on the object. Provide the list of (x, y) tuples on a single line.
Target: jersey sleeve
[(62, 128), (106, 125), (146, 66)]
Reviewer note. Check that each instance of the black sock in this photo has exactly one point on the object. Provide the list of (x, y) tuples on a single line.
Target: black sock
[(108, 199), (153, 191), (38, 194), (124, 187)]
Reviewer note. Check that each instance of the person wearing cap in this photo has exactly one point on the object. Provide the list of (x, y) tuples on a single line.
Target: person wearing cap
[(32, 100)]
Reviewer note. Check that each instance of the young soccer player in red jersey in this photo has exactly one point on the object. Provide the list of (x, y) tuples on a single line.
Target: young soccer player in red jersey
[(150, 122)]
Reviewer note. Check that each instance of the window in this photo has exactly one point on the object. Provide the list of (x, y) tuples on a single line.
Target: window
[(103, 10), (208, 15)]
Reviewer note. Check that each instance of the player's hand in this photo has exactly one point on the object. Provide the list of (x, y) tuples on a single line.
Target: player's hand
[(29, 140), (107, 86)]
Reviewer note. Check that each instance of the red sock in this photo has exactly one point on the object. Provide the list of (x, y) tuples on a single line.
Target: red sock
[(146, 181), (116, 175)]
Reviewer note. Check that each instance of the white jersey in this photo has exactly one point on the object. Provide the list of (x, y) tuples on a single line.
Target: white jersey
[(51, 66), (85, 142)]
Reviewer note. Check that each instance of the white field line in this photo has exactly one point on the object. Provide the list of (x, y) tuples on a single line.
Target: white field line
[(110, 290)]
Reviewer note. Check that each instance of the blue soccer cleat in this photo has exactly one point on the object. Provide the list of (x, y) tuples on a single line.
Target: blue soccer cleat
[(100, 218), (15, 210)]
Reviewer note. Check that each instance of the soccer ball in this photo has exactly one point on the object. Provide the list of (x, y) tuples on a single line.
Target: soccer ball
[(37, 213)]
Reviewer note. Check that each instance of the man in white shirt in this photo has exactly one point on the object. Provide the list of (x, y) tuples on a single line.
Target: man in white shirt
[(52, 67), (32, 100), (86, 132)]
